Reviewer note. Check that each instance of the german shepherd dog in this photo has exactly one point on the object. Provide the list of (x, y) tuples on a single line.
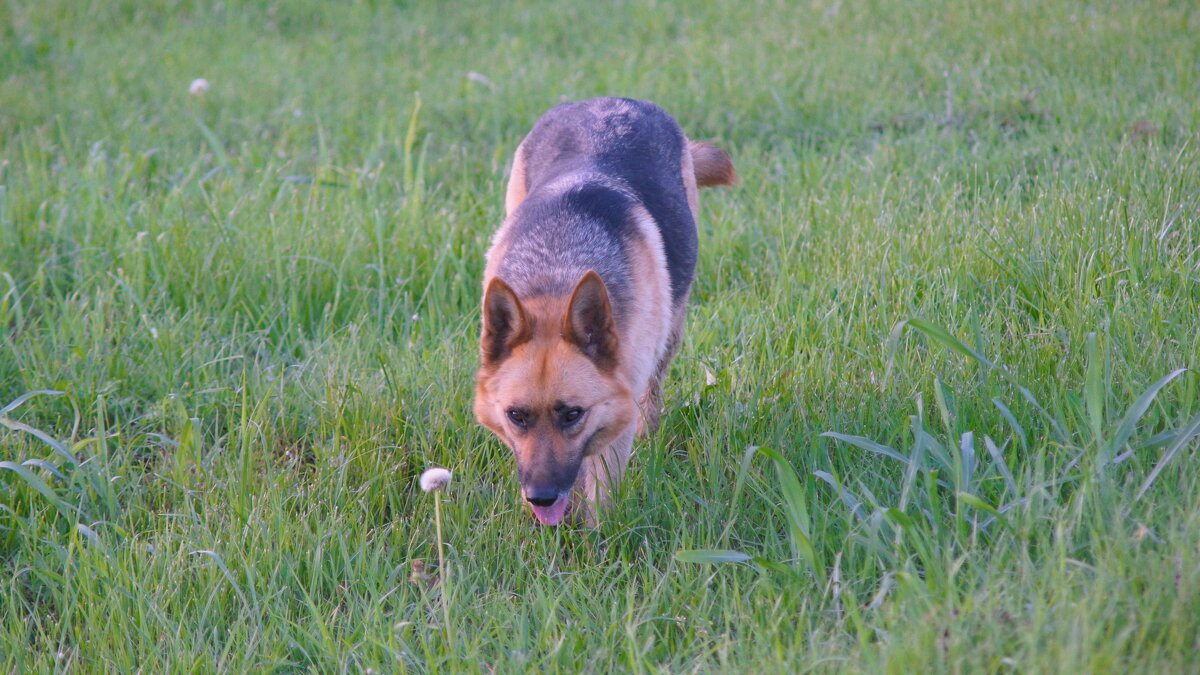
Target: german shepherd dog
[(585, 293)]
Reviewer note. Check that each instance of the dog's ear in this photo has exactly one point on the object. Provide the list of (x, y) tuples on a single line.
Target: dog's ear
[(504, 323), (588, 323)]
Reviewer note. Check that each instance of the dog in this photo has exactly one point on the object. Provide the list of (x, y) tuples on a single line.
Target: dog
[(585, 294)]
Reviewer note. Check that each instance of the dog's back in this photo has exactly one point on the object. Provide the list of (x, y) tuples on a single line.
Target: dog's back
[(585, 166), (634, 142)]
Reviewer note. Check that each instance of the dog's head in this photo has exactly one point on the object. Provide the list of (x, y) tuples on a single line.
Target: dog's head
[(548, 385)]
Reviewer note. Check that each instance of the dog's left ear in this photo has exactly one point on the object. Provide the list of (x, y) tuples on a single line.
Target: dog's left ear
[(588, 323)]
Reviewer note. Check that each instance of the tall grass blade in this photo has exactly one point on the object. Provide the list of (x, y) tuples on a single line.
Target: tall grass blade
[(1185, 435), (1018, 430), (410, 141), (216, 557), (41, 436), (16, 403), (1060, 432), (46, 466), (90, 534), (1093, 389), (916, 460), (852, 502), (944, 337), (1002, 466), (40, 485), (866, 444), (214, 144), (800, 523), (710, 556), (789, 484), (1134, 415)]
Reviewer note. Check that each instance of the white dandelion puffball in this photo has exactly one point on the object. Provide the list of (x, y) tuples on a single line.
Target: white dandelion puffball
[(198, 86), (435, 479)]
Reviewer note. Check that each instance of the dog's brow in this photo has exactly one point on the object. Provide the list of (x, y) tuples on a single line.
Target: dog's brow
[(544, 365)]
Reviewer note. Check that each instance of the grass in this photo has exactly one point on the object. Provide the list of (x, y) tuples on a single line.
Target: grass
[(949, 306)]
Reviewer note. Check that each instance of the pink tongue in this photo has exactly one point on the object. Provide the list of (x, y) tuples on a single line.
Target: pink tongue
[(553, 514)]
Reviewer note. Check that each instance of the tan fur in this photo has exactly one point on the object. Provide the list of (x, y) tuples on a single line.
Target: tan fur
[(602, 472), (518, 185), (687, 169), (514, 194), (642, 346), (516, 191), (651, 400)]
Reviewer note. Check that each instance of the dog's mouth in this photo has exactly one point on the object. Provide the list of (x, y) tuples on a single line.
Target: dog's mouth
[(552, 515)]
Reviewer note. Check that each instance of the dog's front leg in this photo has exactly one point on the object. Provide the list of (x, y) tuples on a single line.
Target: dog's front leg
[(602, 472)]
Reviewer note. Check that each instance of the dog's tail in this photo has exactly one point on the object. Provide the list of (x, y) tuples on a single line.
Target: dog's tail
[(713, 167)]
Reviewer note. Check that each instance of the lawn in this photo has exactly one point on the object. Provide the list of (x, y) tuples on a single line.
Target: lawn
[(937, 409)]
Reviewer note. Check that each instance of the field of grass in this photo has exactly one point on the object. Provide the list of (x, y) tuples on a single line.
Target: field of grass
[(937, 408)]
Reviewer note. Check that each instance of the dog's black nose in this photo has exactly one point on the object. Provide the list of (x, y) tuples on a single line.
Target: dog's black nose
[(541, 497)]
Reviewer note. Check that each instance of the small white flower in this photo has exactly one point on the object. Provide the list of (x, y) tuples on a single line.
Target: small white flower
[(476, 77), (435, 479), (198, 87)]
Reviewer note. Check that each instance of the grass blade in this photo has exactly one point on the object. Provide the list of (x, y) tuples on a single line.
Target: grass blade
[(866, 444), (214, 144), (1060, 433), (40, 485), (916, 461), (46, 466), (853, 502), (706, 556), (1134, 415), (966, 450), (797, 512), (25, 397), (90, 534), (216, 557), (1018, 430), (42, 436), (971, 500), (1093, 389), (789, 485), (943, 336), (1186, 434), (1001, 465)]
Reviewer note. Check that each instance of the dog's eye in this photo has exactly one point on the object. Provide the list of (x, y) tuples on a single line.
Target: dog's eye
[(518, 417), (572, 415)]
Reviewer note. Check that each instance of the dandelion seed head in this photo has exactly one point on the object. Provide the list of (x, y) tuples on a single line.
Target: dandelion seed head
[(435, 479)]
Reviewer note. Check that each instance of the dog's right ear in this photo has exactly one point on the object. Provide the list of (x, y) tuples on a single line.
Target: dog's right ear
[(504, 323)]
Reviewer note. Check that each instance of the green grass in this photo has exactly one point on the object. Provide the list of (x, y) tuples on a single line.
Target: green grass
[(944, 301)]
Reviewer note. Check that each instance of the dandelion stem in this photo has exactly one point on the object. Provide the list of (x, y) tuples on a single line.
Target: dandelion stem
[(442, 568)]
